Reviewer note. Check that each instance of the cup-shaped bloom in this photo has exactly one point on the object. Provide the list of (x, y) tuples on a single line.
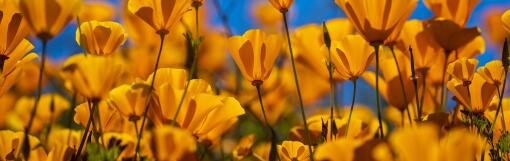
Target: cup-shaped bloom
[(100, 11), (61, 136), (505, 19), (366, 16), (293, 150), (255, 54), (408, 143), (170, 143), (93, 76), (13, 28), (12, 68), (458, 11), (161, 15), (449, 35), (49, 17), (425, 48), (130, 100), (244, 147), (111, 119), (351, 56), (493, 72), (50, 108), (282, 5), (12, 142), (389, 85), (479, 95), (331, 150), (100, 38), (462, 69)]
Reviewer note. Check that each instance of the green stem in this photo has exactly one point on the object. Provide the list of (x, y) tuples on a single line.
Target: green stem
[(401, 81), (301, 106), (424, 86), (85, 134), (147, 102), (500, 95), (332, 93), (379, 117), (415, 83), (352, 106), (443, 83)]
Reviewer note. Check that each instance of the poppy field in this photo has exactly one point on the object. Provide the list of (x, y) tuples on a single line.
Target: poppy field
[(155, 80)]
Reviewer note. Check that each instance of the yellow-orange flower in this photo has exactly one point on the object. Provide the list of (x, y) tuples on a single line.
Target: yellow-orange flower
[(244, 147), (479, 95), (111, 119), (425, 49), (282, 5), (505, 19), (161, 15), (49, 17), (255, 54), (100, 38), (12, 142), (463, 69), (292, 151), (93, 76), (212, 53), (61, 152), (172, 143), (60, 136), (12, 66), (493, 25), (408, 143), (100, 11), (130, 100), (12, 28), (266, 16), (350, 66), (50, 108), (366, 16), (450, 36), (493, 72), (344, 147), (458, 11)]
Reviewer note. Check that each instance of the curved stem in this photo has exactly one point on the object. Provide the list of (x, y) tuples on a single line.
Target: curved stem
[(301, 106), (332, 101), (500, 95), (352, 106), (85, 134), (401, 81), (147, 102), (379, 117), (272, 133)]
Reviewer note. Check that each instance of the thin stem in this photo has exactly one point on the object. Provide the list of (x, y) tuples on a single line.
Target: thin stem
[(332, 93), (38, 96), (424, 86), (147, 102), (85, 134), (500, 95), (400, 78), (443, 83), (352, 106), (257, 85), (301, 107), (137, 134), (415, 83), (379, 117)]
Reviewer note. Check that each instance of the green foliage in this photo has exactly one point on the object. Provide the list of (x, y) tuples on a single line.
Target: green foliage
[(97, 153)]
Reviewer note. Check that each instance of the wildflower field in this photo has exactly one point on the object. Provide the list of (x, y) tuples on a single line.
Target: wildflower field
[(157, 80)]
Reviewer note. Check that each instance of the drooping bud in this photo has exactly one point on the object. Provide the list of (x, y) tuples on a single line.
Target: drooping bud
[(505, 55)]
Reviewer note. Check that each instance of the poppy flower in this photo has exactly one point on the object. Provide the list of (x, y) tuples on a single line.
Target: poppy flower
[(12, 66), (51, 107), (12, 142), (12, 27), (111, 119), (170, 143), (100, 11), (493, 72), (344, 146), (93, 76), (100, 38), (161, 15), (479, 95), (293, 150), (365, 16), (266, 16), (62, 136), (130, 100), (49, 17), (351, 66), (61, 152), (463, 70), (451, 36), (282, 5), (255, 54), (505, 19), (408, 143), (493, 25), (425, 48), (458, 11), (244, 147)]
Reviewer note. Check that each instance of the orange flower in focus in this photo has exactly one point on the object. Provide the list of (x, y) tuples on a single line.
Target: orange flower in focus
[(111, 119), (458, 11), (463, 70), (100, 38), (425, 49), (493, 72), (292, 151), (350, 66), (366, 17), (479, 95), (130, 100), (12, 67), (161, 15), (13, 29), (47, 18), (170, 143), (282, 5), (255, 54), (505, 19)]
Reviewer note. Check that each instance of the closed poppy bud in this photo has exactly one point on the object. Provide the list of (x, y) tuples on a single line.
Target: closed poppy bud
[(13, 29), (374, 28), (93, 76), (293, 150), (161, 15), (100, 38), (458, 11), (49, 17), (170, 143), (255, 54), (282, 5), (463, 69)]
